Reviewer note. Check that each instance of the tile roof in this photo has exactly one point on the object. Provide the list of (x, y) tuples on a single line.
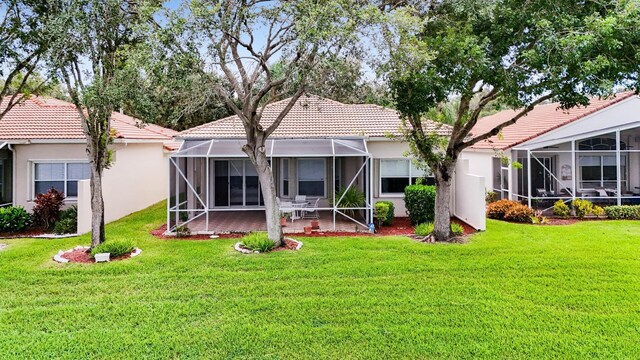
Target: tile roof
[(48, 119), (315, 117), (542, 119)]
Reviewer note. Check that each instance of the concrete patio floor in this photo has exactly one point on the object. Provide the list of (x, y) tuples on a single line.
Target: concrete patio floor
[(221, 222)]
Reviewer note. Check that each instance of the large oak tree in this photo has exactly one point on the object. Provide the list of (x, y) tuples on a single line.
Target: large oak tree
[(518, 53)]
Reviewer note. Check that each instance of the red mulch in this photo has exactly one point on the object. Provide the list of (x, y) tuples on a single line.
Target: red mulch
[(83, 257), (288, 245), (24, 234), (401, 226)]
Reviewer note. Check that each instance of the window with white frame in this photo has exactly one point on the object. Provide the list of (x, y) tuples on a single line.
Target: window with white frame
[(600, 171), (311, 177), (396, 174), (62, 176)]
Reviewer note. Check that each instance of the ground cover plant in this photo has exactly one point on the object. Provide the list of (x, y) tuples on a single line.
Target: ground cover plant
[(514, 291)]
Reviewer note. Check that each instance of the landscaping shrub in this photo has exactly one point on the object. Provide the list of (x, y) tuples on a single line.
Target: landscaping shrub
[(68, 223), (519, 213), (257, 241), (14, 219), (390, 214), (538, 218), (182, 231), (582, 207), (597, 211), (420, 201), (114, 247), (561, 209), (490, 196), (381, 211), (498, 209), (623, 212), (353, 198), (457, 229), (46, 210), (424, 229)]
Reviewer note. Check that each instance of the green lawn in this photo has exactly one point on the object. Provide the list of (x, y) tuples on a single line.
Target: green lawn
[(514, 291)]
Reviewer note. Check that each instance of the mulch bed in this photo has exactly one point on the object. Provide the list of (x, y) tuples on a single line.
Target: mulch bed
[(288, 245), (401, 227), (24, 234), (83, 257)]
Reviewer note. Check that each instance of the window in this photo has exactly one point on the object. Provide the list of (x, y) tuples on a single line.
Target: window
[(600, 171), (284, 171), (396, 174), (60, 176), (311, 176)]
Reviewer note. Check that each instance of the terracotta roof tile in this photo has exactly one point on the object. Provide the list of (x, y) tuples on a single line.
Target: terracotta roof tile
[(542, 119), (48, 118), (315, 117)]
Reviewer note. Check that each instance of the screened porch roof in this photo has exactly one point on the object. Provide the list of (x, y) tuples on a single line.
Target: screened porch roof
[(230, 148)]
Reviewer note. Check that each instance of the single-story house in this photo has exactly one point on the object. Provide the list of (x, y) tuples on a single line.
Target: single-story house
[(320, 148), (42, 146), (588, 152)]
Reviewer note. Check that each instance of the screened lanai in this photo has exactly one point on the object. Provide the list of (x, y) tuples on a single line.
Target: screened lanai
[(602, 166), (211, 177)]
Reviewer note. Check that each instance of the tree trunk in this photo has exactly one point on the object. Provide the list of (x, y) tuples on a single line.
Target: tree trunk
[(442, 221), (268, 188), (97, 207)]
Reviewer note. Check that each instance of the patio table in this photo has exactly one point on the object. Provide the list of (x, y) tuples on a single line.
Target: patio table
[(297, 206)]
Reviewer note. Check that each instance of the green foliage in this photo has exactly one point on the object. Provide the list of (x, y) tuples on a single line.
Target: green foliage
[(182, 231), (351, 198), (115, 247), (257, 241), (14, 219), (519, 213), (457, 229), (597, 211), (420, 201), (390, 212), (582, 207), (623, 212), (490, 196), (498, 209), (68, 223), (46, 208), (381, 212), (561, 209), (538, 218), (423, 229)]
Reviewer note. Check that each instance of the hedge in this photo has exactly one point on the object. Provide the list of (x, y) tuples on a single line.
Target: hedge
[(623, 212), (390, 215), (420, 201)]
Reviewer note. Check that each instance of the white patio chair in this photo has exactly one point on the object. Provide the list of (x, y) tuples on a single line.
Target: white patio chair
[(300, 199), (311, 212), (286, 207)]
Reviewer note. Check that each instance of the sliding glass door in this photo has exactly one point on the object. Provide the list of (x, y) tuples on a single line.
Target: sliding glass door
[(236, 184)]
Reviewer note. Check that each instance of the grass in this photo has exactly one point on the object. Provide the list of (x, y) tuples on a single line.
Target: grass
[(514, 291)]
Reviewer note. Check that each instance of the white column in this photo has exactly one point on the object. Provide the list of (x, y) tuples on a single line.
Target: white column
[(207, 193), (528, 176), (574, 171), (618, 169), (334, 189)]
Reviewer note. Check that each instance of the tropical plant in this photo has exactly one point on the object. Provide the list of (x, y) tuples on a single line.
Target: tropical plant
[(519, 213), (115, 247), (498, 209), (561, 209), (419, 200), (14, 219), (390, 214), (423, 229), (457, 229), (257, 241), (46, 208), (349, 198), (381, 212), (582, 207)]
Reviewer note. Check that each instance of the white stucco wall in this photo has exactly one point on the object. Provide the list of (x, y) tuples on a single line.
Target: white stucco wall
[(137, 179), (468, 197), (387, 150), (481, 164)]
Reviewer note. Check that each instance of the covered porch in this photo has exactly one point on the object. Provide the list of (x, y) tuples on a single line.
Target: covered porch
[(602, 166), (214, 188)]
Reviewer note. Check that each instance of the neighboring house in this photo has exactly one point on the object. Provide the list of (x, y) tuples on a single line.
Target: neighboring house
[(42, 146), (587, 152), (320, 148)]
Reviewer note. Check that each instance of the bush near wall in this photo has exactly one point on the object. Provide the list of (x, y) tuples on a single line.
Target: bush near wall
[(420, 201), (498, 209), (623, 212), (519, 213), (14, 219), (390, 214)]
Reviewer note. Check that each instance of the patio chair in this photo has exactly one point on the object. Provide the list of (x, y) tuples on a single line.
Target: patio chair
[(300, 199), (286, 207), (311, 212)]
